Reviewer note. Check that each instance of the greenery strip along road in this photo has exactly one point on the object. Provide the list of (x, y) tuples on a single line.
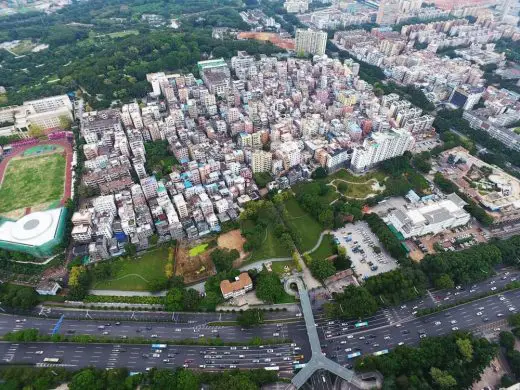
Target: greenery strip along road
[(431, 310), (32, 335)]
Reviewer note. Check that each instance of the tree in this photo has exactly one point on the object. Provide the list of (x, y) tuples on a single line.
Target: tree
[(223, 258), (174, 300), (250, 318), (85, 379), (18, 297), (36, 131), (130, 249), (321, 269), (342, 187), (168, 270), (153, 239), (319, 173), (442, 378), (187, 380), (354, 302), (190, 299), (465, 349), (269, 288), (507, 340), (65, 122), (444, 281), (158, 284)]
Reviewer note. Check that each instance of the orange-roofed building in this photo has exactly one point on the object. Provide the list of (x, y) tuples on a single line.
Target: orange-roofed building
[(240, 286)]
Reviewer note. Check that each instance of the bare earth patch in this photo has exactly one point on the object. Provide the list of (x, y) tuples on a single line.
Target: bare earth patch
[(233, 240)]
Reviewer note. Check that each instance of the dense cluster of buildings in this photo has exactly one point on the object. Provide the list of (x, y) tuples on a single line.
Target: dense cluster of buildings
[(458, 80), (239, 118)]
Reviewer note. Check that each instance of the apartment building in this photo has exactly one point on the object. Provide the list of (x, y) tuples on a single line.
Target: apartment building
[(310, 41)]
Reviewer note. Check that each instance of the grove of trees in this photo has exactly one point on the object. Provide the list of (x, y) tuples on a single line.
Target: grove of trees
[(454, 361)]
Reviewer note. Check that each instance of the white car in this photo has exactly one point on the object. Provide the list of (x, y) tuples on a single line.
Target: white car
[(453, 321), (496, 329), (422, 336), (479, 313), (350, 336), (361, 337), (276, 334), (348, 349), (397, 325), (512, 309), (39, 353), (401, 343), (343, 341), (232, 366), (502, 298), (455, 328), (493, 288), (500, 315), (387, 337), (156, 355), (437, 323)]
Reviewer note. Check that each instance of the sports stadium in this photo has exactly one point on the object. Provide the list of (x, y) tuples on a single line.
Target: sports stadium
[(35, 183)]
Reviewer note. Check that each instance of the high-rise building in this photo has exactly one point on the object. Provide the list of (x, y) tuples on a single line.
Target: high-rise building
[(379, 147), (388, 12), (261, 161), (310, 41)]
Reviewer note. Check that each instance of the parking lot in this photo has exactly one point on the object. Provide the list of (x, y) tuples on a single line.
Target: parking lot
[(368, 256)]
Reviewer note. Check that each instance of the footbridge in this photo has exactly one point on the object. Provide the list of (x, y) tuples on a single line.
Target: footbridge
[(318, 361)]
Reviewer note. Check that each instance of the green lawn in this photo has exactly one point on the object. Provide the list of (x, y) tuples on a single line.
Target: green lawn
[(327, 248), (271, 248), (305, 224), (357, 190), (346, 175), (195, 251), (278, 266), (135, 273), (31, 181)]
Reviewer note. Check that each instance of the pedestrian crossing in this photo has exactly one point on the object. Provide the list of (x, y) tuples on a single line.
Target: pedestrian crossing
[(9, 355)]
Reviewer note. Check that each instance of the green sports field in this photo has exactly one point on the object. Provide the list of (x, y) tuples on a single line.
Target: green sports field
[(31, 181)]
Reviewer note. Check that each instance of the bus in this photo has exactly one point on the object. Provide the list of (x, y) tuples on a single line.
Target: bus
[(159, 346), (382, 352), (272, 368), (353, 355), (52, 360), (360, 324)]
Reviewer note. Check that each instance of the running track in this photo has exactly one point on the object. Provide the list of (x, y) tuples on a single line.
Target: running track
[(68, 167)]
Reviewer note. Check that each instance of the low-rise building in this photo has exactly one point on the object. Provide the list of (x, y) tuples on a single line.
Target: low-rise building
[(240, 286)]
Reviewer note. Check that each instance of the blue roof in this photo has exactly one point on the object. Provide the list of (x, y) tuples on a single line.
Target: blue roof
[(187, 184)]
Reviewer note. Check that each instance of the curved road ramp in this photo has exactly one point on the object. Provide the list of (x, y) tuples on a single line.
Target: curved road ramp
[(318, 361)]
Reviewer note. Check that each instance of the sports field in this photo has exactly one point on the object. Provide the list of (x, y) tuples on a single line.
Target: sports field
[(31, 181)]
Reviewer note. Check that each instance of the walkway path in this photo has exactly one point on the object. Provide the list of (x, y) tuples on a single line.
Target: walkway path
[(122, 293), (323, 234)]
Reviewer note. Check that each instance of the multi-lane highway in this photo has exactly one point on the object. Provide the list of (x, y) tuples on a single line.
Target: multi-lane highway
[(342, 338), (385, 330), (141, 357), (295, 330)]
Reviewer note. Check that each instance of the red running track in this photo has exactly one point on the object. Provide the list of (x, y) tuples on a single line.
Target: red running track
[(68, 166)]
